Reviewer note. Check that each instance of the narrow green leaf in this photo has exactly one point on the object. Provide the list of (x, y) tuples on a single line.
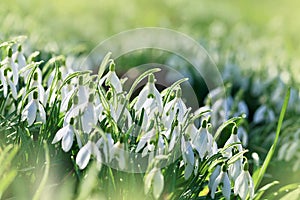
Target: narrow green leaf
[(267, 161), (169, 90), (225, 124), (263, 189), (103, 64), (41, 187), (140, 78)]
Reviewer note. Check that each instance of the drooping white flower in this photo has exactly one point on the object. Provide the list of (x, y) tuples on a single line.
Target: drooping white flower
[(106, 144), (231, 140), (235, 169), (118, 109), (173, 137), (84, 155), (37, 82), (174, 106), (82, 91), (221, 178), (188, 157), (146, 138), (66, 135), (10, 64), (66, 98), (263, 114), (5, 78), (53, 90), (155, 179), (243, 185), (89, 118), (149, 98), (19, 57), (243, 136), (34, 111), (203, 142), (118, 153), (113, 80)]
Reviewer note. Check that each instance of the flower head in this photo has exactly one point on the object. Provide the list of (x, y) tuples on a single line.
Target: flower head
[(244, 184)]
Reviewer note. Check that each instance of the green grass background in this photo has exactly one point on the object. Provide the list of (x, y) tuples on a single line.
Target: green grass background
[(68, 23)]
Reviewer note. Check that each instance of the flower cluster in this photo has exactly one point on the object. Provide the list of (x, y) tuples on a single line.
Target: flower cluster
[(104, 122)]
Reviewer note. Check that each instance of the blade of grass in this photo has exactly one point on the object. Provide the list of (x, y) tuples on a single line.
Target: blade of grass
[(39, 190), (267, 161), (139, 79)]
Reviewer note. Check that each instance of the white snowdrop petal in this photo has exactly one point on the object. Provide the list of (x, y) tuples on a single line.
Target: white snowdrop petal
[(21, 60), (213, 176), (148, 180), (60, 133), (115, 81), (82, 94), (83, 156), (226, 189), (67, 140), (259, 114), (141, 99), (14, 69), (42, 113), (158, 184), (291, 151), (31, 110), (188, 170), (97, 154), (13, 89), (88, 118), (215, 185), (4, 83), (65, 101)]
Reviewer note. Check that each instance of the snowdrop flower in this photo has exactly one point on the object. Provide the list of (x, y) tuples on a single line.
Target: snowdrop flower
[(118, 107), (263, 114), (84, 155), (34, 111), (175, 106), (155, 179), (231, 140), (174, 135), (204, 142), (243, 136), (37, 82), (213, 176), (6, 81), (244, 184), (106, 144), (235, 169), (19, 57), (89, 118), (113, 80), (149, 98), (118, 153), (223, 178), (10, 64), (82, 91), (68, 93), (242, 109), (146, 138), (66, 135), (188, 157)]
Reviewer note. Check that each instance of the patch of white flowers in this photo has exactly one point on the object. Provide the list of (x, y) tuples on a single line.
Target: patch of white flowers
[(101, 121)]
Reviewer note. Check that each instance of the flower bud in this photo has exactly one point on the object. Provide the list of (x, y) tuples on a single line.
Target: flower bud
[(35, 95), (9, 52)]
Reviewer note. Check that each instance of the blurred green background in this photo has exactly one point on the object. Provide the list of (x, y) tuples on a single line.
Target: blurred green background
[(71, 24), (259, 34)]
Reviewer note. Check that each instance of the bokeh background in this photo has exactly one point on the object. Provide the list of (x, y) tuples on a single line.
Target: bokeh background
[(61, 24), (244, 38)]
